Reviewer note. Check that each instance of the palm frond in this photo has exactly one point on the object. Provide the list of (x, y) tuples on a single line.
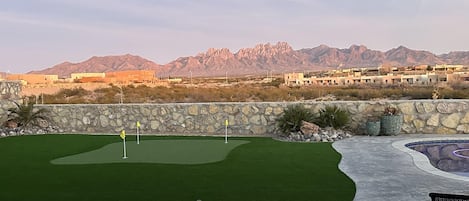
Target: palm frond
[(25, 114)]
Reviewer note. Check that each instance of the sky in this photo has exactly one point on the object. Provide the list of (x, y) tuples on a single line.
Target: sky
[(37, 34)]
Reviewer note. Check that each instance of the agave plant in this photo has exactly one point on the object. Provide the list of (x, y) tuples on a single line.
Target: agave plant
[(332, 117), (292, 118), (26, 115)]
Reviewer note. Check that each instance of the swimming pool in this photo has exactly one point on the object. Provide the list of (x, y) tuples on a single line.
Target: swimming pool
[(447, 155), (443, 156)]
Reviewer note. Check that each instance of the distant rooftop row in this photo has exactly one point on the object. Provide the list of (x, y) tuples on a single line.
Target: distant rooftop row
[(421, 74), (415, 75), (117, 77)]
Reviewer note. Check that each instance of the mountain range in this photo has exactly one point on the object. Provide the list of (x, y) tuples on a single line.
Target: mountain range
[(262, 59)]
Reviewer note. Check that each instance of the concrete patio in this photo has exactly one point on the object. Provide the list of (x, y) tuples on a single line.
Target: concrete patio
[(383, 172)]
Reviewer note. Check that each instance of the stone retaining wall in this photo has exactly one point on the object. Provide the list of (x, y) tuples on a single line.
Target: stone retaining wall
[(10, 90), (250, 118), (4, 105)]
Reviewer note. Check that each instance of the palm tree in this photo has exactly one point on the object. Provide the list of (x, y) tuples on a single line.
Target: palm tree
[(26, 115)]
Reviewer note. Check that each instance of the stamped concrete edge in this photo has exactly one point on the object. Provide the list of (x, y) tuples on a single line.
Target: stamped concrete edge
[(422, 161)]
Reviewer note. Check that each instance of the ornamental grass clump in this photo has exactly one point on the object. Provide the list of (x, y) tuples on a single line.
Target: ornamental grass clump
[(332, 116), (292, 118)]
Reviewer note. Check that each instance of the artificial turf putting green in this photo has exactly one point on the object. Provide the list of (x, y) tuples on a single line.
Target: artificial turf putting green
[(262, 170), (180, 151)]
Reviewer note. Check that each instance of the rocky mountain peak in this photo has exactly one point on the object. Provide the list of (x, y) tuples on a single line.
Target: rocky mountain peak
[(265, 51), (403, 55), (283, 46), (223, 52), (280, 47), (322, 46), (359, 48), (278, 57), (400, 49), (97, 64)]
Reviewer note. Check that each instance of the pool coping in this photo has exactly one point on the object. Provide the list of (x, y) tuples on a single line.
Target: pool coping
[(422, 161)]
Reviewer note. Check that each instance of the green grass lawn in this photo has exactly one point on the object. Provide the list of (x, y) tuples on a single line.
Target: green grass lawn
[(178, 151), (263, 169)]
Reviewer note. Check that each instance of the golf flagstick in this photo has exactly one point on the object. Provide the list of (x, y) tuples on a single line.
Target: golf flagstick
[(138, 134), (226, 131), (123, 138)]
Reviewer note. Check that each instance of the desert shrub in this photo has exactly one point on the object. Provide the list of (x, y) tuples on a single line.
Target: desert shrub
[(418, 92), (308, 95), (75, 95), (274, 83), (240, 92), (26, 115), (73, 92), (353, 93), (332, 117), (392, 93), (292, 117), (369, 94), (454, 94)]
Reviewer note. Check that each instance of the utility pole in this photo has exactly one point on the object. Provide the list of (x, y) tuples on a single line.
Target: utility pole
[(122, 95)]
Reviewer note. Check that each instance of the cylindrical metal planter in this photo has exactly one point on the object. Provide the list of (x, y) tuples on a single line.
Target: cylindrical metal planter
[(391, 124), (373, 127)]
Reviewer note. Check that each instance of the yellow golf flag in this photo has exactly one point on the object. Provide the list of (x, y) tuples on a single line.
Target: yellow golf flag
[(138, 124), (226, 122), (123, 134)]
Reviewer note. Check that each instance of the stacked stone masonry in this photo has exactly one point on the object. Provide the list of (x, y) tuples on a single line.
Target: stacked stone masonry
[(9, 93), (250, 118), (10, 90)]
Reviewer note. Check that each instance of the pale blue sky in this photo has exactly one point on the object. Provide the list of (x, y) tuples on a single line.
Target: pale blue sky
[(36, 34)]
